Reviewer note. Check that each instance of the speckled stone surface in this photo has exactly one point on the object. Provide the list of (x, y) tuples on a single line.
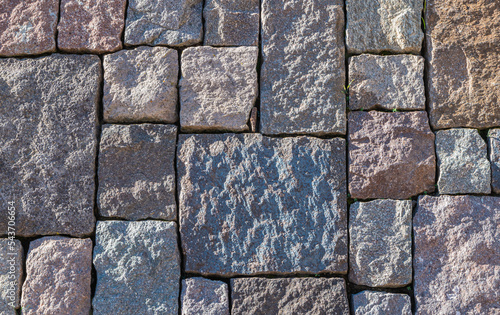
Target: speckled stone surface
[(381, 303), (494, 144), (11, 275), (202, 296)]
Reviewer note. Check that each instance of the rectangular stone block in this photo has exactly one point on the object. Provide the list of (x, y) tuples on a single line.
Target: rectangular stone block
[(251, 204), (381, 303), (11, 275), (202, 296), (303, 70), (48, 143), (494, 144)]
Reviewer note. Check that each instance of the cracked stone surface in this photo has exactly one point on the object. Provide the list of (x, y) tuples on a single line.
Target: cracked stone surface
[(11, 275), (381, 303), (58, 276), (28, 27), (202, 296), (157, 22), (457, 254), (384, 25), (309, 296), (140, 85), (137, 266), (303, 70), (386, 82), (48, 142), (494, 143), (463, 164), (136, 172), (250, 204)]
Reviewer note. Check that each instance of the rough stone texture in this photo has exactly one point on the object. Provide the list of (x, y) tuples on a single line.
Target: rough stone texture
[(218, 88), (381, 303), (140, 85), (28, 27), (137, 266), (202, 296), (231, 23), (462, 162), (303, 70), (252, 204), (494, 143), (48, 124), (386, 82), (380, 243), (457, 255), (384, 25), (391, 155), (136, 172), (158, 22), (261, 296), (93, 26), (11, 275), (463, 50), (58, 276)]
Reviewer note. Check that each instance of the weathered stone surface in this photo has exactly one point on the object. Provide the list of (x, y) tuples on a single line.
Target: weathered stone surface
[(48, 125), (58, 276), (11, 275), (381, 303), (386, 82), (93, 26), (251, 204), (202, 296), (218, 88), (457, 255), (380, 243), (136, 172), (157, 22), (462, 161), (140, 85), (391, 155), (28, 27), (137, 266), (384, 25), (494, 143), (310, 296), (231, 23), (463, 50), (303, 71)]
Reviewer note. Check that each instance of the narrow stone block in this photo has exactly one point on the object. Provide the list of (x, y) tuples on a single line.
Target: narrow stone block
[(494, 143), (11, 275), (381, 303), (201, 296)]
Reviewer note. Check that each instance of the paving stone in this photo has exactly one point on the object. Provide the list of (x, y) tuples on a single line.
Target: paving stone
[(140, 85), (391, 155), (58, 276), (380, 243), (262, 296), (93, 26), (28, 27), (251, 204), (157, 22), (381, 303), (303, 70), (11, 275), (218, 88), (202, 296), (494, 143), (384, 25), (463, 50), (386, 82), (137, 265), (462, 161), (231, 23), (136, 172), (48, 143), (457, 255)]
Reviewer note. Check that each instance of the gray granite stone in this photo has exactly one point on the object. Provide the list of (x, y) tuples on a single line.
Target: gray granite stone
[(384, 25), (261, 296), (48, 143), (136, 172), (303, 70), (11, 275), (202, 296), (137, 266), (381, 303), (140, 85), (494, 143), (251, 204), (462, 161), (457, 254)]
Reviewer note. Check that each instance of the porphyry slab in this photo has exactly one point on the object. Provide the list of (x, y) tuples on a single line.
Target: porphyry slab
[(494, 143), (202, 296), (11, 275), (381, 303)]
